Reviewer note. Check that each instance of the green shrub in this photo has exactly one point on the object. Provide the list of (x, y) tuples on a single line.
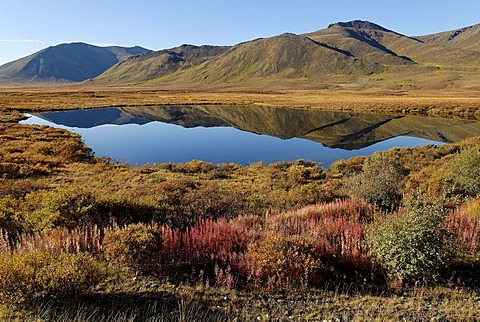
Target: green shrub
[(136, 246), (465, 172), (380, 182), (27, 277), (412, 245), (65, 207)]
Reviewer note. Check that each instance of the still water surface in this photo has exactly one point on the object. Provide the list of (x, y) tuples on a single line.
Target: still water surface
[(246, 134)]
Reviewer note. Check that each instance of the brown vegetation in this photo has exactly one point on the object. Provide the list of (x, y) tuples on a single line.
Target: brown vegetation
[(457, 103)]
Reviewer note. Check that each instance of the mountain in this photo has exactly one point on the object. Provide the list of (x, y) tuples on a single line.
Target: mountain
[(358, 54), (355, 52), (367, 40), (73, 62), (160, 63), (287, 56), (466, 38), (364, 40)]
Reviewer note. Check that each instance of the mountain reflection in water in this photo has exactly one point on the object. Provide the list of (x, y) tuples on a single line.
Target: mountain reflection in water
[(247, 134)]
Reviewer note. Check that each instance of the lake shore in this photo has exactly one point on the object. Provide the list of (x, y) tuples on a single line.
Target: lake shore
[(445, 103)]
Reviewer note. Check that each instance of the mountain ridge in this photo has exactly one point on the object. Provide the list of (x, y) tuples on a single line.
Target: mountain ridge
[(72, 62), (357, 52), (354, 53)]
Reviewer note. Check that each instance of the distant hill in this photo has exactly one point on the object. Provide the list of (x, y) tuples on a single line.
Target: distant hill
[(73, 62), (287, 56), (366, 40), (363, 40), (160, 63), (355, 52)]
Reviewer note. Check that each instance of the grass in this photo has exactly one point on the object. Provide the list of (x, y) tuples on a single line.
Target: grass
[(49, 180), (461, 103), (418, 305)]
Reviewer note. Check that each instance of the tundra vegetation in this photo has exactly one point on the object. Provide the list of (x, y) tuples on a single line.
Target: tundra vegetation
[(392, 236)]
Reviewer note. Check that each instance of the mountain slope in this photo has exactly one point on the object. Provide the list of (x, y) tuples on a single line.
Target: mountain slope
[(160, 63), (66, 62), (362, 39), (284, 57), (466, 38), (367, 40), (355, 52)]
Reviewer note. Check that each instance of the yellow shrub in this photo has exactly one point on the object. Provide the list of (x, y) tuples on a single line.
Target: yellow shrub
[(286, 260), (136, 246), (30, 276)]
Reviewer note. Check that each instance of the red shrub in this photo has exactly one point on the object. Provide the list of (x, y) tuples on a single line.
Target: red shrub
[(201, 247), (464, 224), (59, 241), (338, 229)]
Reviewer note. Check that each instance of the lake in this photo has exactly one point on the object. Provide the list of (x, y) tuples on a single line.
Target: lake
[(245, 134)]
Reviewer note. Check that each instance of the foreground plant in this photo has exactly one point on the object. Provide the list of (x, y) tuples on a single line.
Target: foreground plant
[(412, 245), (27, 277)]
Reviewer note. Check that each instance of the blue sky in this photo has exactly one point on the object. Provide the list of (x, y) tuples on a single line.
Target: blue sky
[(27, 26)]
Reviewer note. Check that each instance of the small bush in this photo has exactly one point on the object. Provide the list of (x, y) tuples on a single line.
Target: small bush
[(10, 220), (136, 246), (465, 172), (286, 261), (411, 245), (380, 182), (26, 277), (66, 207)]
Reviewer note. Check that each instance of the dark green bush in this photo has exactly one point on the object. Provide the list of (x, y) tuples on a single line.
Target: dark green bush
[(380, 182), (411, 245), (465, 172)]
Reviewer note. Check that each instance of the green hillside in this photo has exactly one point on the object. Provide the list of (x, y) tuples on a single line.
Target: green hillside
[(356, 52), (160, 63)]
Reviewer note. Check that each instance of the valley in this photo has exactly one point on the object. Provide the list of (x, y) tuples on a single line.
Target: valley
[(392, 235)]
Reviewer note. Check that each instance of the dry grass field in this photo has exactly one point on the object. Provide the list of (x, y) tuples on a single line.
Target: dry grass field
[(460, 103)]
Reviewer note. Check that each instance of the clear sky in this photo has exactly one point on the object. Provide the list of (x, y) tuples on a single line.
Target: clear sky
[(27, 26)]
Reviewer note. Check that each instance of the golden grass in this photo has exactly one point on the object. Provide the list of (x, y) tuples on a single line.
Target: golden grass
[(461, 103)]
